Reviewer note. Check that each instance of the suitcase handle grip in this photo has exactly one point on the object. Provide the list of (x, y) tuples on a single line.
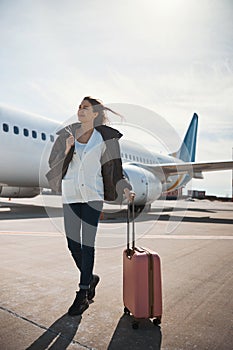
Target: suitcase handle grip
[(130, 205)]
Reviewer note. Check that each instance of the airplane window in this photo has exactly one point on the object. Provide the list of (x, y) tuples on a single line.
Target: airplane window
[(141, 159), (137, 159), (130, 156), (16, 130), (5, 127), (43, 136), (126, 155), (133, 157), (25, 132), (51, 138), (34, 134)]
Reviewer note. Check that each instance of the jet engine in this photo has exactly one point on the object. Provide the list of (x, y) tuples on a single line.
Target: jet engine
[(145, 184), (18, 192)]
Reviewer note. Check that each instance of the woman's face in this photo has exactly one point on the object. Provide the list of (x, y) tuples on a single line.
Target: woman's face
[(85, 112)]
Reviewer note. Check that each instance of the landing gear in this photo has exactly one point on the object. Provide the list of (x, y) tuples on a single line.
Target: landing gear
[(139, 208)]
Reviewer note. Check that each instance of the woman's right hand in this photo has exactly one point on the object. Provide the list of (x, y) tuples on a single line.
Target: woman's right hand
[(69, 143)]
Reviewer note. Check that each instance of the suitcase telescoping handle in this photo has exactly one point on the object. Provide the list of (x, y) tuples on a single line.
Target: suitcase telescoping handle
[(130, 211)]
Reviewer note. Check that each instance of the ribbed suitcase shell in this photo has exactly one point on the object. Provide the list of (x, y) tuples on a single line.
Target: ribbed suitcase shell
[(142, 286)]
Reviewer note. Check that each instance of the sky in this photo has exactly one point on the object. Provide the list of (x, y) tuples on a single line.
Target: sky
[(171, 57)]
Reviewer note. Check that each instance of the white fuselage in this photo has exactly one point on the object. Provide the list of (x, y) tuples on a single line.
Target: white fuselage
[(26, 141)]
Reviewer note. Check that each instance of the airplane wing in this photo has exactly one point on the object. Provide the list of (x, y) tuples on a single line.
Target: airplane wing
[(194, 169), (183, 168)]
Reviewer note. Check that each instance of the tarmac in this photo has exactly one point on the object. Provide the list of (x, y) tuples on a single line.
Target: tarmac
[(38, 278)]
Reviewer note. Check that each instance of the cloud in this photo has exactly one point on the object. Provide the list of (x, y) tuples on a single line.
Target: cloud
[(173, 57)]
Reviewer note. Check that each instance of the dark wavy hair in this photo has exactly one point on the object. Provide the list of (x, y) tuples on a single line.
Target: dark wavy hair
[(98, 107)]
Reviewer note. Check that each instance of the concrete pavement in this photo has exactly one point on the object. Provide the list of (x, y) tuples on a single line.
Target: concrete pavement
[(39, 280)]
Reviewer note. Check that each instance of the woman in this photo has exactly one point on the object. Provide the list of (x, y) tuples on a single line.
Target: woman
[(86, 166)]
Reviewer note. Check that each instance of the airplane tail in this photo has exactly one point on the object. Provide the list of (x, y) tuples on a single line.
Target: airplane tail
[(187, 149)]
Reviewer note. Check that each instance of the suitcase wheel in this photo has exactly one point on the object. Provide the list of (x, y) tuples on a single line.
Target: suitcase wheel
[(157, 321), (126, 311)]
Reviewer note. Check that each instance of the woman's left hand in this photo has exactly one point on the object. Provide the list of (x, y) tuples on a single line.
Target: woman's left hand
[(130, 195)]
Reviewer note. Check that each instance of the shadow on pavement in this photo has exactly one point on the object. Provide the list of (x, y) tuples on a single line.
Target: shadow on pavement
[(203, 219), (152, 216), (147, 336), (26, 211), (59, 335)]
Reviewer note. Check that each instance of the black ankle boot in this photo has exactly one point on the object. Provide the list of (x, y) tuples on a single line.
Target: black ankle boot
[(80, 303), (93, 284)]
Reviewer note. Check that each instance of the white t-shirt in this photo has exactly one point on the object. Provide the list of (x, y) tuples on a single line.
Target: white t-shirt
[(83, 181)]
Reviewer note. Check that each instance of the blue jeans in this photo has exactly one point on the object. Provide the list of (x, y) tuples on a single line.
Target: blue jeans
[(81, 221)]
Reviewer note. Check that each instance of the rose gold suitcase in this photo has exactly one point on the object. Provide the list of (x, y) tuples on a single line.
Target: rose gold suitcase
[(142, 286)]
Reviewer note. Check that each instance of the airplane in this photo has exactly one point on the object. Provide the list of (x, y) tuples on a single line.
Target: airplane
[(26, 140)]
